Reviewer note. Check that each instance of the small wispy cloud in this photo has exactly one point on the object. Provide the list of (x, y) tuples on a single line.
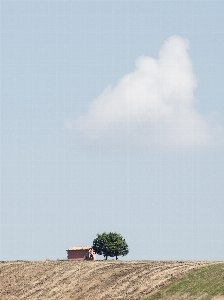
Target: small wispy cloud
[(152, 106)]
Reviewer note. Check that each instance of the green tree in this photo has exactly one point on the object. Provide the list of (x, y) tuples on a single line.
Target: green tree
[(110, 244)]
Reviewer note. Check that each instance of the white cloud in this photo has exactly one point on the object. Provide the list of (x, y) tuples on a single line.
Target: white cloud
[(152, 106)]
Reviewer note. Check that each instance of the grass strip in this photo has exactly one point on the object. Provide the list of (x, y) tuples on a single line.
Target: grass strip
[(204, 283)]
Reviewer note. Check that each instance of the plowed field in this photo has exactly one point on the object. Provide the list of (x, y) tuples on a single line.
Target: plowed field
[(88, 279)]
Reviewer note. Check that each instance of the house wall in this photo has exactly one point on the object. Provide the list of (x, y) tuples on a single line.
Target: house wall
[(81, 254), (77, 254)]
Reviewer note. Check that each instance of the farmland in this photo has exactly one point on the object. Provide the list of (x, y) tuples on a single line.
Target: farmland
[(89, 279)]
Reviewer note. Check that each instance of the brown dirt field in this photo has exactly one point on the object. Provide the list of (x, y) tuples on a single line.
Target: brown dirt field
[(83, 280)]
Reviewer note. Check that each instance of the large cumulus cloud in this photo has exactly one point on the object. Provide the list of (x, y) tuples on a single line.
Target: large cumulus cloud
[(152, 106)]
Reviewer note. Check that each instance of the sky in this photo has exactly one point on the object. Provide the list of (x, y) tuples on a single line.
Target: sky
[(112, 119)]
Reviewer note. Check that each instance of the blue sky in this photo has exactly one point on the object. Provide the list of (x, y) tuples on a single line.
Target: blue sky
[(112, 119)]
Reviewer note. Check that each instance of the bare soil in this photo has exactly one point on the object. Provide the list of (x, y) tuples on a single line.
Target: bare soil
[(83, 280)]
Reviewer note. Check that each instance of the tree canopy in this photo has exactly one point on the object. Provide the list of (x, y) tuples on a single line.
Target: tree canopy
[(110, 244)]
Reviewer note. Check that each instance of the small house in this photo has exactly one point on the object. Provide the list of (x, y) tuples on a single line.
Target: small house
[(81, 253)]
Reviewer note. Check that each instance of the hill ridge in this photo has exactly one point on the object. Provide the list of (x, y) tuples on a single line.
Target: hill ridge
[(63, 279)]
